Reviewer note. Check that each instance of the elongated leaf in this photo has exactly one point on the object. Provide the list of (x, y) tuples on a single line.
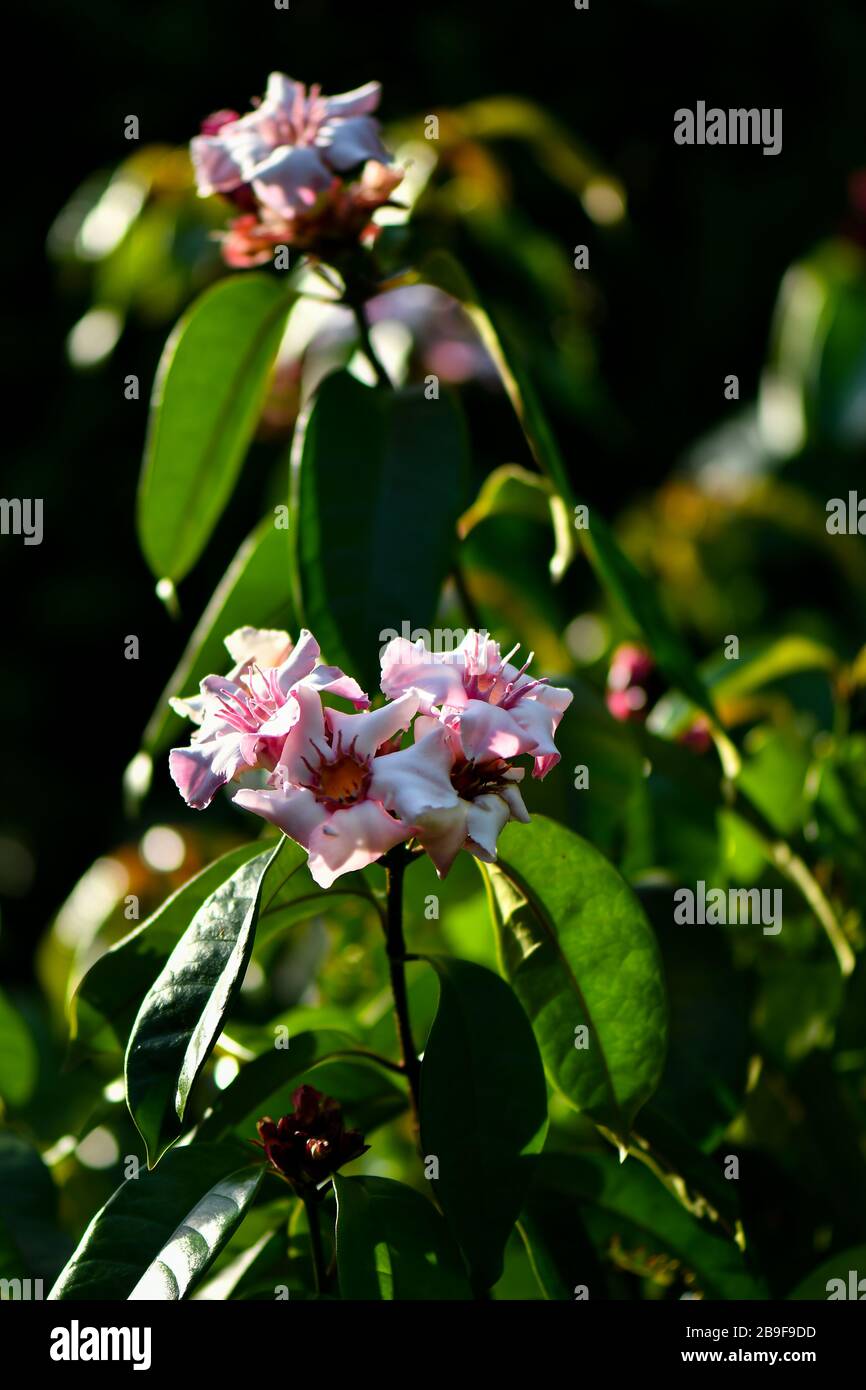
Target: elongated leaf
[(483, 1110), (613, 567), (579, 951), (393, 1244), (255, 590), (182, 1013), (19, 1060), (267, 1079), (756, 667), (509, 491), (376, 491), (31, 1244), (206, 401), (625, 1200), (195, 1244), (109, 997), (138, 1220)]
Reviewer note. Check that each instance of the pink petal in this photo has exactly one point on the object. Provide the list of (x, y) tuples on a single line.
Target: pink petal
[(290, 180), (443, 834), (265, 646), (199, 771), (281, 94), (351, 839), (345, 143), (487, 731), (368, 731), (538, 717), (296, 812), (305, 739), (330, 680), (217, 168), (359, 102), (417, 779), (407, 666), (486, 817), (299, 662)]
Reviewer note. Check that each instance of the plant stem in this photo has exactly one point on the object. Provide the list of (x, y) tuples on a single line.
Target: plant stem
[(320, 1273), (367, 348), (395, 867)]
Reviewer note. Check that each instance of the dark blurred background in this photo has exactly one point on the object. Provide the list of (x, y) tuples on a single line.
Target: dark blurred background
[(683, 296)]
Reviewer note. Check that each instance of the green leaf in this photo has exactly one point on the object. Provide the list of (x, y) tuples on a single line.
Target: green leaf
[(579, 952), (393, 1244), (638, 597), (108, 998), (376, 491), (192, 1248), (19, 1060), (625, 1201), (206, 402), (255, 591), (815, 1285), (442, 270), (31, 1245), (483, 1110), (137, 1222), (758, 665), (509, 491), (265, 1084), (182, 1013), (612, 566)]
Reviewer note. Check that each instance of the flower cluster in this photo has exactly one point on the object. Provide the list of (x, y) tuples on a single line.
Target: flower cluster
[(343, 785), (303, 170), (311, 1143)]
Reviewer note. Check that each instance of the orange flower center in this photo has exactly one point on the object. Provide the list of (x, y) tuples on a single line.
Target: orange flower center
[(343, 780)]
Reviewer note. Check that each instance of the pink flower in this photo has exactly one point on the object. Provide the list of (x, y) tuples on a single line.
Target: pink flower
[(285, 165), (498, 710), (344, 791), (485, 796), (244, 717)]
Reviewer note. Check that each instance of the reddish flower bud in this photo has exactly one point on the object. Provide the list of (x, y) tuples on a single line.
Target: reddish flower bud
[(310, 1144), (633, 685)]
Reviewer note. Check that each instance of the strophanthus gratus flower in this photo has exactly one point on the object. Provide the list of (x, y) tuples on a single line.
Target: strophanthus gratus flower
[(345, 790), (480, 712), (311, 1143), (350, 787), (243, 718), (304, 169), (500, 711)]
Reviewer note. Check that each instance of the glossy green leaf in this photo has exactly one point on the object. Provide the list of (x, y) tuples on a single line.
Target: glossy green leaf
[(200, 1237), (483, 1109), (377, 481), (19, 1060), (182, 1013), (626, 1201), (206, 402), (109, 996), (127, 1235), (392, 1243), (255, 591), (580, 954)]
